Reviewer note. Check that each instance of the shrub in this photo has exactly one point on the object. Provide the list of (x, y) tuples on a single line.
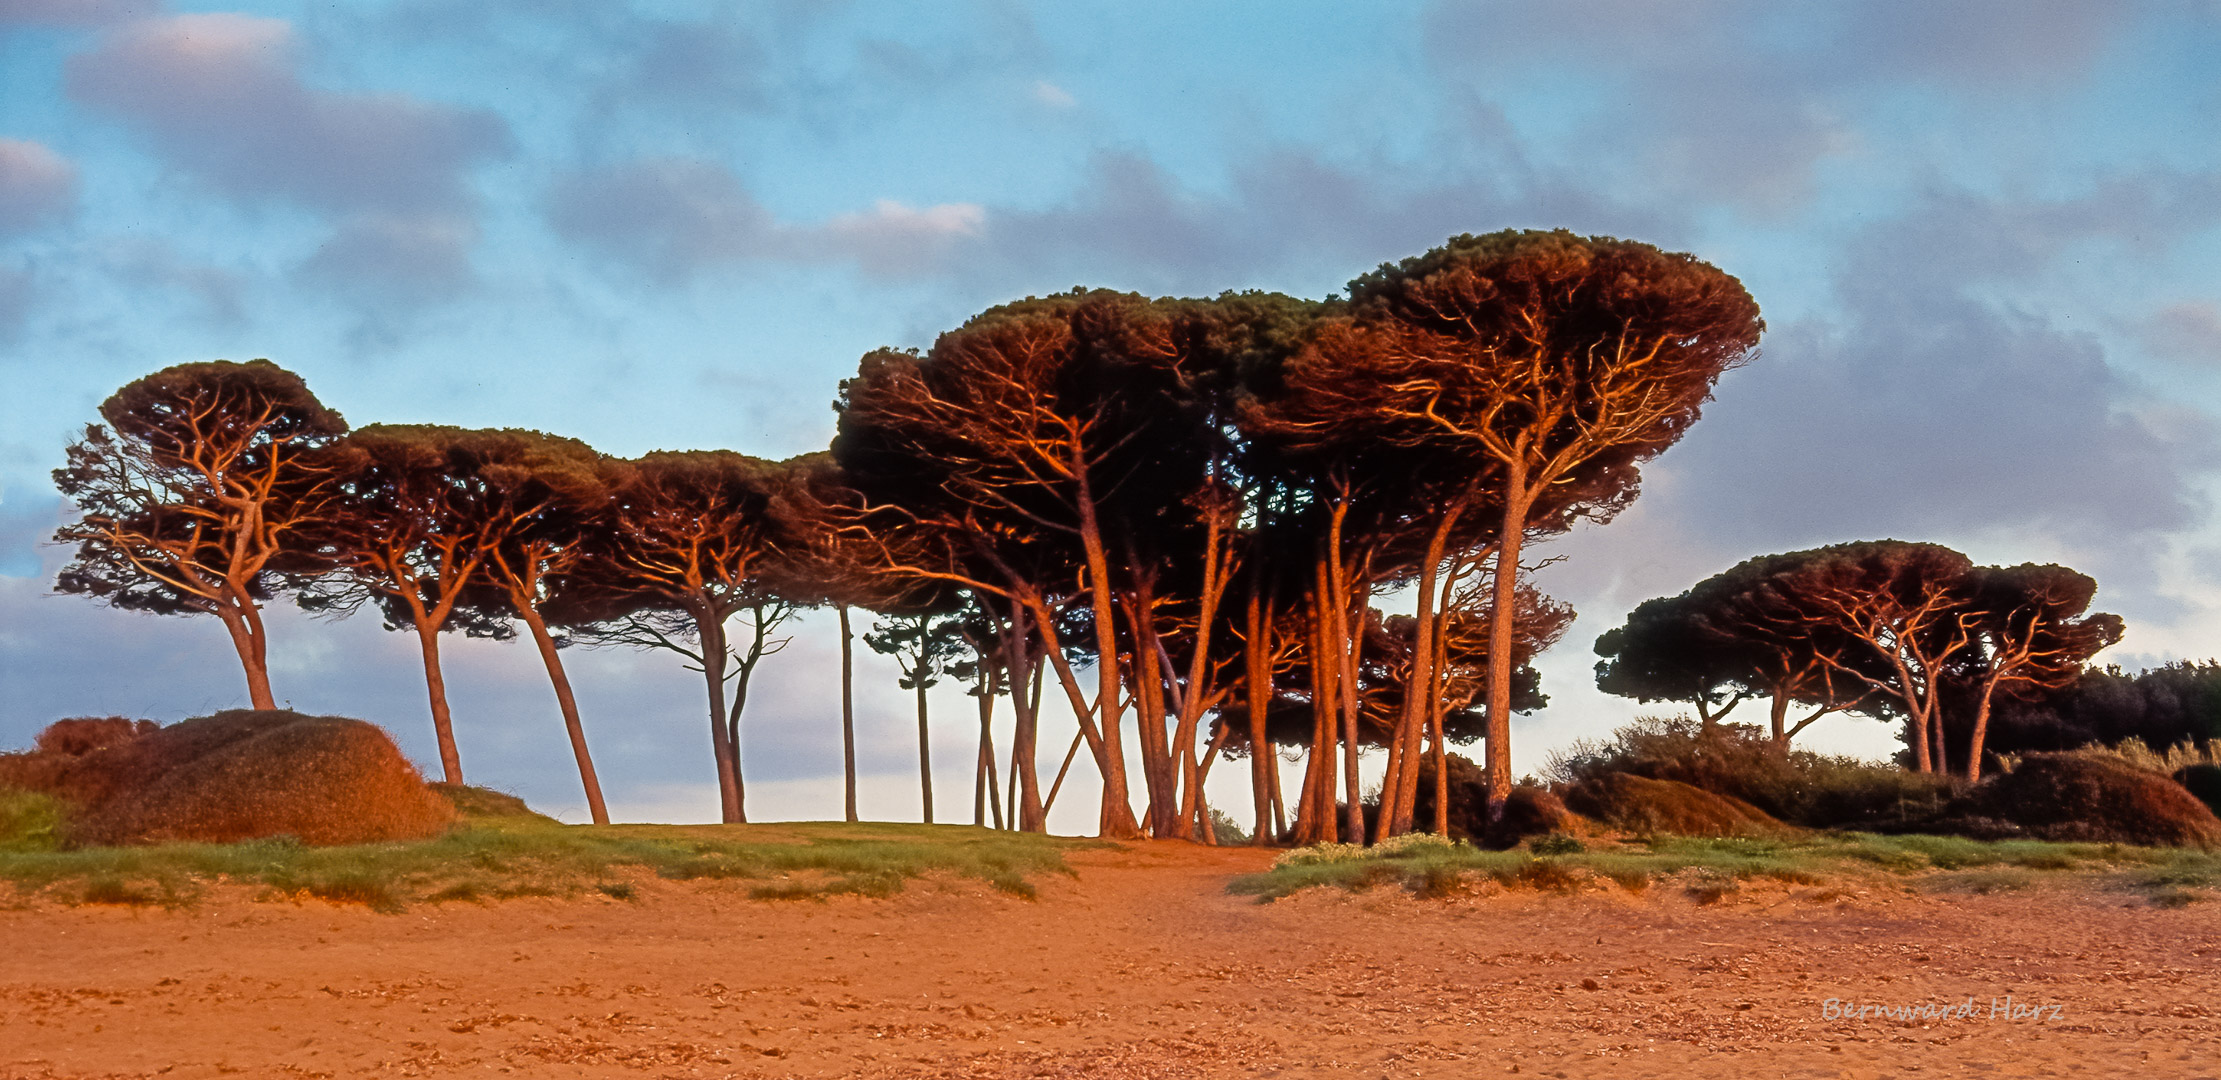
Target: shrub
[(1528, 811), (1650, 807), (2078, 796), (1226, 830), (243, 774), (2203, 781), (84, 734), (1741, 762)]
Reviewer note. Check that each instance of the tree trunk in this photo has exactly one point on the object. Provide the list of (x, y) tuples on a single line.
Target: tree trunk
[(986, 794), (1348, 644), (244, 623), (1315, 802), (848, 715), (1418, 687), (1116, 822), (566, 701), (925, 746), (1027, 812), (1502, 623), (1981, 731), (711, 631), (1257, 687), (1780, 717), (435, 686)]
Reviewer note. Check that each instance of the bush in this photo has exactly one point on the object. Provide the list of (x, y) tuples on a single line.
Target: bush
[(2078, 796), (237, 775), (84, 734), (2203, 781), (1226, 830), (1650, 807), (1528, 810), (1741, 762)]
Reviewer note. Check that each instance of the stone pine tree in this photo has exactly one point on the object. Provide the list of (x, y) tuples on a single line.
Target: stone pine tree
[(193, 496), (2030, 634), (1559, 361), (411, 527), (555, 492), (692, 542)]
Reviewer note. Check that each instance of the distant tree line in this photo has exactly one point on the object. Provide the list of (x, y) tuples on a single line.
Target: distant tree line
[(1179, 509), (1915, 633)]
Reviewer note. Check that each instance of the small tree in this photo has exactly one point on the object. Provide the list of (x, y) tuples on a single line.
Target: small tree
[(194, 494), (2029, 632), (924, 645)]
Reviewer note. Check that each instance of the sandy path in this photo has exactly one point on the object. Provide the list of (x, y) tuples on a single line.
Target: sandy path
[(1143, 967)]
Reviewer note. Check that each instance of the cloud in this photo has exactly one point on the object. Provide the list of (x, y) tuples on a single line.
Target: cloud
[(220, 293), (37, 186), (220, 96), (1052, 95), (16, 288), (1925, 408), (1743, 100), (73, 12), (671, 217), (409, 259), (1128, 222), (2189, 331)]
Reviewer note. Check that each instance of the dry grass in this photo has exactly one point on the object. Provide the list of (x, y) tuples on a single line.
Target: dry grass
[(1710, 870), (487, 860)]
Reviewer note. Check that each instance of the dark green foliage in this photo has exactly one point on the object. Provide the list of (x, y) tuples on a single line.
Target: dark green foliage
[(2203, 781), (1555, 844), (2162, 706)]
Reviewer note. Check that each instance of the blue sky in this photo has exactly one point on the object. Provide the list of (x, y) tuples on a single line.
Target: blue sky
[(1986, 235)]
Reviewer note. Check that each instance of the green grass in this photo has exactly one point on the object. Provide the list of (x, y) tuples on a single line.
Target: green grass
[(1712, 870), (489, 859)]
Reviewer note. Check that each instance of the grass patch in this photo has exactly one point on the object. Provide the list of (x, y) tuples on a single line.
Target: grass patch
[(29, 820), (1710, 870), (507, 857)]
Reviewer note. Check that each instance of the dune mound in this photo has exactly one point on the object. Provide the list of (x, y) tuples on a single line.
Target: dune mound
[(1644, 806), (2079, 797), (481, 802), (237, 775), (1528, 811)]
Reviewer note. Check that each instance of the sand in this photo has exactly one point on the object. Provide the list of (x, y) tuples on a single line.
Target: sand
[(1143, 966)]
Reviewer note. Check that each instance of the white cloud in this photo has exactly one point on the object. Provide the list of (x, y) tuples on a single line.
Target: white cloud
[(37, 185)]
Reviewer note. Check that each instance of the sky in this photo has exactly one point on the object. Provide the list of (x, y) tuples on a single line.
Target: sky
[(1986, 236)]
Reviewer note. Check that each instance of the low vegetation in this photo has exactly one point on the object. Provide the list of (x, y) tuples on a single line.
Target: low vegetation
[(522, 854), (1709, 870)]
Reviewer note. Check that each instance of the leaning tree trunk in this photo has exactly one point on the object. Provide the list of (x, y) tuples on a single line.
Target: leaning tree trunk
[(242, 617), (568, 702), (435, 686)]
